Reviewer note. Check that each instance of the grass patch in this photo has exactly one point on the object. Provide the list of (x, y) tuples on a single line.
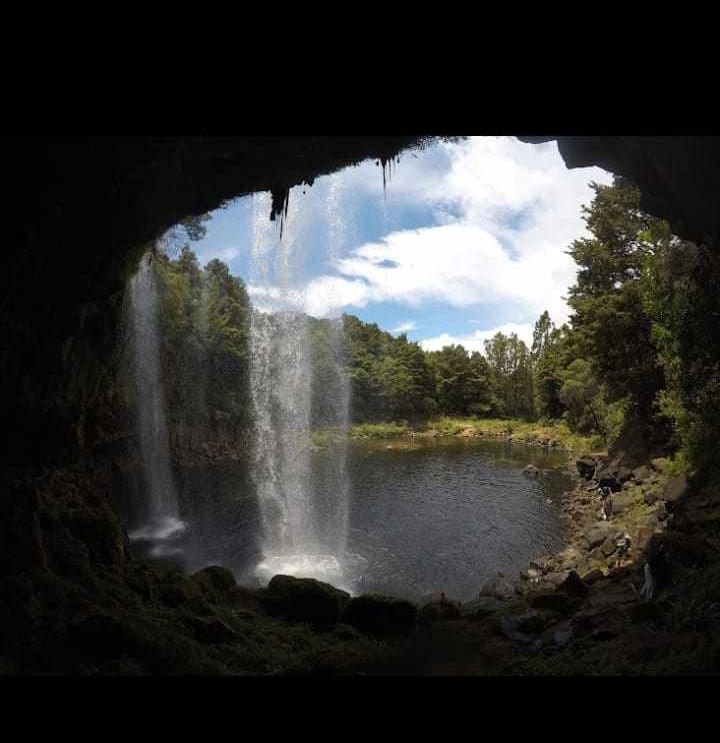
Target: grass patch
[(380, 430), (519, 430)]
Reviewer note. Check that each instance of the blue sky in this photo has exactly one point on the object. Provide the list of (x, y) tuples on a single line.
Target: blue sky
[(469, 238)]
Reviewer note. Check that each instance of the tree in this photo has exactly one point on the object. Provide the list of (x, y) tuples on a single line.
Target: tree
[(511, 375), (608, 314)]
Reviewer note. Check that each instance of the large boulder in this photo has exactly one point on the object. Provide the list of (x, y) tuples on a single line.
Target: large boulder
[(481, 607), (596, 536), (555, 601), (586, 467), (380, 615), (573, 585), (215, 580), (305, 600), (593, 576), (675, 489), (499, 587), (177, 589), (439, 611), (623, 501)]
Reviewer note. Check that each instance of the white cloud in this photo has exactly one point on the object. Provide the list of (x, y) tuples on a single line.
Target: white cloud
[(506, 211), (405, 327), (519, 210), (476, 341)]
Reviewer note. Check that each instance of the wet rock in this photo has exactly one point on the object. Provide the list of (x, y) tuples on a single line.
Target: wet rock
[(521, 627), (659, 464), (177, 589), (380, 615), (556, 578), (675, 489), (562, 636), (624, 474), (585, 467), (215, 579), (481, 607), (440, 611), (643, 537), (608, 547), (499, 587), (623, 501), (651, 496), (555, 601), (210, 629), (642, 473), (573, 585), (595, 537), (305, 600), (593, 576)]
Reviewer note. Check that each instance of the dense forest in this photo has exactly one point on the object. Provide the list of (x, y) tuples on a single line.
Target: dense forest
[(640, 344)]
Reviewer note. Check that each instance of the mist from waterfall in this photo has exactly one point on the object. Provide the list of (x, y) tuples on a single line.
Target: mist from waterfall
[(159, 521), (304, 525)]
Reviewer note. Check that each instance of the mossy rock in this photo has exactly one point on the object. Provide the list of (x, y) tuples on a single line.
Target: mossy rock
[(214, 581), (555, 601), (177, 588), (381, 615), (439, 611), (305, 600)]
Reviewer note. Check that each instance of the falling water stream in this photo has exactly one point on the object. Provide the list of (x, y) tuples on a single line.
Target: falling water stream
[(303, 534), (160, 522)]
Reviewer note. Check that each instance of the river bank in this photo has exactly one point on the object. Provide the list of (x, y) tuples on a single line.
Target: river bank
[(554, 434)]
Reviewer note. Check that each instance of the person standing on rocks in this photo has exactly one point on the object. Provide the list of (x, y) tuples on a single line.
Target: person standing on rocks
[(623, 548), (606, 505), (648, 589)]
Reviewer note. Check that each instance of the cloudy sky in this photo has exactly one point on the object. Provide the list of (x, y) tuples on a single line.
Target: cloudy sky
[(469, 238)]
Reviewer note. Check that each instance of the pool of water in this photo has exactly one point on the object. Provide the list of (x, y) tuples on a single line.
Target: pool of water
[(444, 514)]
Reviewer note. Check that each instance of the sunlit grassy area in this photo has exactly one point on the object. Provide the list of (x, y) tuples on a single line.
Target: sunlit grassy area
[(519, 430)]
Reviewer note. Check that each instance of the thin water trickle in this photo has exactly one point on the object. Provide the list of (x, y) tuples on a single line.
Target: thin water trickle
[(160, 521)]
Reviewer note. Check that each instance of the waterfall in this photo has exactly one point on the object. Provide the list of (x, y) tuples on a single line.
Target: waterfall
[(159, 519), (304, 531)]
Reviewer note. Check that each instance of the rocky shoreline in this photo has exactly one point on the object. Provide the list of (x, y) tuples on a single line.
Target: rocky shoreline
[(591, 591)]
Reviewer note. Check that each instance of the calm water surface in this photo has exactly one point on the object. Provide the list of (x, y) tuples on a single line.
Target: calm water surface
[(450, 514), (443, 515)]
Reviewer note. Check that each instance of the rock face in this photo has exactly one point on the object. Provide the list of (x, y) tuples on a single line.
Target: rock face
[(440, 611), (305, 600), (675, 489), (380, 615), (573, 585), (623, 501), (498, 587), (596, 536), (586, 467)]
